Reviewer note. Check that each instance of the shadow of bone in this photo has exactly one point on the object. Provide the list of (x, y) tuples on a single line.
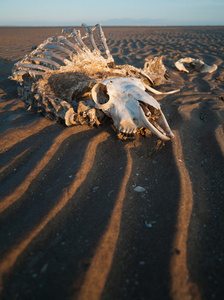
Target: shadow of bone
[(7, 85), (8, 88), (69, 240), (203, 156), (21, 140), (205, 161), (143, 252), (13, 112), (44, 187)]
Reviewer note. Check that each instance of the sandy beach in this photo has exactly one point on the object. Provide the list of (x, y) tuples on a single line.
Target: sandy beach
[(71, 224)]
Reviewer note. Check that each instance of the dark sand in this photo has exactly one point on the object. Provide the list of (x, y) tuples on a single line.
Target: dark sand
[(72, 226)]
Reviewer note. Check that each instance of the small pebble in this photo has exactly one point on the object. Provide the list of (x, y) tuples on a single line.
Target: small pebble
[(139, 189)]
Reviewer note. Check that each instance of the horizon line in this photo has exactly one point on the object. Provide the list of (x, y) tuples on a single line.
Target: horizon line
[(190, 25)]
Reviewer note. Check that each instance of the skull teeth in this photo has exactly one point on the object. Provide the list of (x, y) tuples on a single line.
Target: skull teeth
[(127, 131)]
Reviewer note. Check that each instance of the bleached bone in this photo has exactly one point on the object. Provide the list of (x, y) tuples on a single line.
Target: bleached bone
[(149, 88), (155, 69), (58, 76), (47, 61), (130, 107), (66, 42), (28, 66), (52, 54), (104, 43), (76, 35), (90, 32), (208, 69), (197, 64), (60, 48)]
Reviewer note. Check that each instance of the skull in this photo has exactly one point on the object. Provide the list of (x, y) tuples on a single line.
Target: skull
[(131, 108)]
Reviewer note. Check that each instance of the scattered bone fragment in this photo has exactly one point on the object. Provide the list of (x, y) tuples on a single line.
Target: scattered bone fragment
[(196, 64), (156, 69)]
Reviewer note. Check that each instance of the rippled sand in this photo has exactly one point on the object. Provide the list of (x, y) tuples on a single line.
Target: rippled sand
[(72, 226)]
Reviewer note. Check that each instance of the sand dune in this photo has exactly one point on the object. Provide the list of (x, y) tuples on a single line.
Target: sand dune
[(72, 226)]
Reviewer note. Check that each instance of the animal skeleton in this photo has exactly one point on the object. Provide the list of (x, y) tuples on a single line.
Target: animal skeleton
[(64, 79)]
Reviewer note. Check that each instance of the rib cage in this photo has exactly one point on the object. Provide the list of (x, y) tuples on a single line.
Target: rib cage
[(67, 51)]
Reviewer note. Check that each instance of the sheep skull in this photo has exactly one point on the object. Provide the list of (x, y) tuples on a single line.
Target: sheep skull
[(130, 106)]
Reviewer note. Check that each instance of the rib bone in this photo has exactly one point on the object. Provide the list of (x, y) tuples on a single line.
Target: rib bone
[(90, 33)]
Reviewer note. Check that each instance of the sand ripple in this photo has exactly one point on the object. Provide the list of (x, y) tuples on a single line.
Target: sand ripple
[(72, 225)]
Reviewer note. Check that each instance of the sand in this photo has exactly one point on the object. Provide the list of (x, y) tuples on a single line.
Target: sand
[(72, 225)]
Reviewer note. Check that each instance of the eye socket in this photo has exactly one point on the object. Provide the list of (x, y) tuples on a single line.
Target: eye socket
[(100, 94)]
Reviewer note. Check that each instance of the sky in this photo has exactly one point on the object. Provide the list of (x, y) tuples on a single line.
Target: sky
[(113, 12)]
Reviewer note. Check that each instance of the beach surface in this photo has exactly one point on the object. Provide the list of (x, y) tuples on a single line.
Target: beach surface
[(72, 225)]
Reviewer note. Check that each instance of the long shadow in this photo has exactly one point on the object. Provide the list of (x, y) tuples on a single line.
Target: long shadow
[(13, 113), (63, 249), (44, 136), (44, 190), (141, 265), (206, 239)]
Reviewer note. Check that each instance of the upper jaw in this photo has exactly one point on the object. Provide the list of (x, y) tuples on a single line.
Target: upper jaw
[(156, 122)]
